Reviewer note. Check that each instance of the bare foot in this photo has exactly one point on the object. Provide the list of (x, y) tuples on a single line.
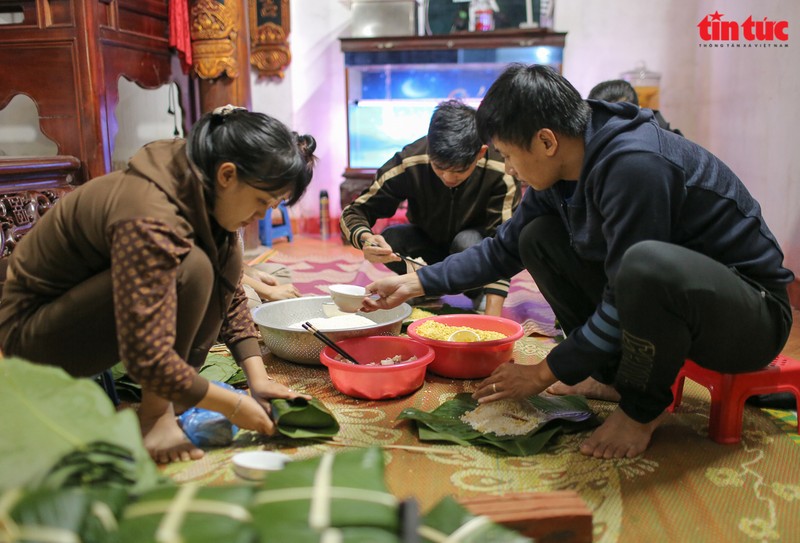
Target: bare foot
[(620, 437), (591, 388), (163, 438)]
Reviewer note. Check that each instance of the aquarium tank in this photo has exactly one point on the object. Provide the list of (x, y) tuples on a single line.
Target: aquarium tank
[(391, 94)]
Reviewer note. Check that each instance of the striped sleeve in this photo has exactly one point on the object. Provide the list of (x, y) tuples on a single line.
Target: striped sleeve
[(588, 348), (499, 287), (380, 200)]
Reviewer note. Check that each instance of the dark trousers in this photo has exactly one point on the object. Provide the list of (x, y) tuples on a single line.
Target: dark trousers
[(77, 330), (673, 304), (412, 241)]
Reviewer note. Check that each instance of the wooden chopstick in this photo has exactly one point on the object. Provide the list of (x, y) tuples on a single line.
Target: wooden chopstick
[(329, 342)]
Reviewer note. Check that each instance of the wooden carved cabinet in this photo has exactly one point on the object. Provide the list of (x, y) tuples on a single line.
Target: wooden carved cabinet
[(68, 57), (29, 187)]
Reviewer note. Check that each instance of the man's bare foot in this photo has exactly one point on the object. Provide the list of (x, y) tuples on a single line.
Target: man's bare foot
[(591, 388), (163, 438), (620, 437)]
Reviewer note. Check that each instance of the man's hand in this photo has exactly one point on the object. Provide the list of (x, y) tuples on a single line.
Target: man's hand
[(392, 291), (515, 381), (376, 249)]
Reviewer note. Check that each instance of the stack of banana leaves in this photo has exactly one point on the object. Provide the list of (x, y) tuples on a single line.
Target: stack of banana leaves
[(69, 462), (73, 469), (336, 497)]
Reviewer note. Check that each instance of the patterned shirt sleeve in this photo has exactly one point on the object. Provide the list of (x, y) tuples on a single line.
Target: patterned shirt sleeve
[(145, 255), (238, 329)]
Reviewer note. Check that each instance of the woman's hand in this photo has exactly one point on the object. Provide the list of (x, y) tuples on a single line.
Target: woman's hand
[(392, 291), (261, 276), (514, 381), (249, 414), (263, 387), (241, 409), (267, 287), (278, 292), (267, 390)]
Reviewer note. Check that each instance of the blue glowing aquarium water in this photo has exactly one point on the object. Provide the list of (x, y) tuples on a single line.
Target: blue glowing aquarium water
[(392, 94)]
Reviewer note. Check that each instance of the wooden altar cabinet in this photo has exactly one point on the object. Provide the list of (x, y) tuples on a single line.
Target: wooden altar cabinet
[(67, 56)]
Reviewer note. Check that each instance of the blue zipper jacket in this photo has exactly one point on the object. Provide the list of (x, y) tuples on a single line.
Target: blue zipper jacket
[(638, 182)]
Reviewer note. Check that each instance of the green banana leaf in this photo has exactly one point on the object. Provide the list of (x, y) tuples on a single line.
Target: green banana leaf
[(563, 413), (448, 516), (300, 418), (71, 514), (349, 498), (190, 513), (97, 465), (217, 367), (48, 414)]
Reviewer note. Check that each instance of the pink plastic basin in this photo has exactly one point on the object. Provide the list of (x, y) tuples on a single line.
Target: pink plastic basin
[(378, 382), (470, 360)]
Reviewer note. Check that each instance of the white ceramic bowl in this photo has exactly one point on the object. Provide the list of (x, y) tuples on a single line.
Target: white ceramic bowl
[(348, 298), (255, 465)]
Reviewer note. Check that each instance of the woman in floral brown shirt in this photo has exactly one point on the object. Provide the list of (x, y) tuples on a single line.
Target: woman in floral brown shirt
[(143, 265)]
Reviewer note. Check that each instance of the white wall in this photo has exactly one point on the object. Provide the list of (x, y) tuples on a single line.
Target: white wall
[(143, 116), (751, 104), (739, 103), (19, 130), (311, 96)]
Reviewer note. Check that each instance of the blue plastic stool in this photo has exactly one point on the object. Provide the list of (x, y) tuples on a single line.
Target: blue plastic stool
[(267, 231)]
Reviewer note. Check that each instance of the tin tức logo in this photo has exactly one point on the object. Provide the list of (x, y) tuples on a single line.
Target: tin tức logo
[(715, 31)]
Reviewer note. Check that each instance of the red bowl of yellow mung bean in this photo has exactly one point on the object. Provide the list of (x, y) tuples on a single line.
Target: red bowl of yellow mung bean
[(467, 346)]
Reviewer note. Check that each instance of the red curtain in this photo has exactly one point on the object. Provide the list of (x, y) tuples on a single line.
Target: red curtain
[(179, 34)]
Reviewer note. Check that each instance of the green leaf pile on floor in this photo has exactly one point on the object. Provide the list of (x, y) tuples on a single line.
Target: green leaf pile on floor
[(48, 415), (562, 413), (217, 367), (72, 468)]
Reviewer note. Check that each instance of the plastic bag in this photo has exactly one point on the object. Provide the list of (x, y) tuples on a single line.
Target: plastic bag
[(206, 428)]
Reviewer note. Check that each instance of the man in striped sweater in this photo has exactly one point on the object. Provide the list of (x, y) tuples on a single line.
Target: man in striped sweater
[(457, 194)]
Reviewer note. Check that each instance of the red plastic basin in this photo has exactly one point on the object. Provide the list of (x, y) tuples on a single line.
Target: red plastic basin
[(378, 382), (470, 360)]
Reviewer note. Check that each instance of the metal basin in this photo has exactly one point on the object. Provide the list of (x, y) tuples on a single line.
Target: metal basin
[(275, 318)]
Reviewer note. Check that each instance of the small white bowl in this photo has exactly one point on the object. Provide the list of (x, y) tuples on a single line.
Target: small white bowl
[(254, 465), (348, 298)]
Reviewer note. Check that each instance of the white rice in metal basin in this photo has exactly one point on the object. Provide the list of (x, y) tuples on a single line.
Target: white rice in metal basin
[(339, 322)]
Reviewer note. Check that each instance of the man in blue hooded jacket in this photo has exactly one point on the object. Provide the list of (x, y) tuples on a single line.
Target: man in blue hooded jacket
[(648, 248)]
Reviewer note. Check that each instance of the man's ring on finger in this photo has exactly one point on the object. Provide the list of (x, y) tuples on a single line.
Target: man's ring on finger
[(494, 388)]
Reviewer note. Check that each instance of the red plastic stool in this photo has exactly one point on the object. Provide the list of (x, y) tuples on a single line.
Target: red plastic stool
[(730, 390)]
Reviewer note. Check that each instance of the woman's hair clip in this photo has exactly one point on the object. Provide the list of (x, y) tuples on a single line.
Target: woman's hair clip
[(224, 111)]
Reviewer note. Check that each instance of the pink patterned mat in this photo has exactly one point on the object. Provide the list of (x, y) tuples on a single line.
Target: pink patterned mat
[(312, 274)]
